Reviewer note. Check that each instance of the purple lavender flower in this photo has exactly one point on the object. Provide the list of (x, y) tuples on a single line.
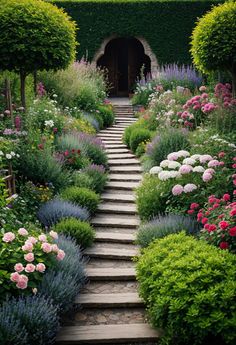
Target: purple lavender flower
[(95, 167)]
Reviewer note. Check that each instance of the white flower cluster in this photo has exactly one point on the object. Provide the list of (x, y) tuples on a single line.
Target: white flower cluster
[(10, 155), (49, 123)]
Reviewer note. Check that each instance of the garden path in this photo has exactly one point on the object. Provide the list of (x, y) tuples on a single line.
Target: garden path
[(112, 311)]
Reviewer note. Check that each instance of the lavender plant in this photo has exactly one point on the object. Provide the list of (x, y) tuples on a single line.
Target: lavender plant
[(162, 226), (53, 211), (28, 321)]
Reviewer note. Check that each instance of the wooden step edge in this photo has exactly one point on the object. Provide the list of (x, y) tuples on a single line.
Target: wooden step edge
[(114, 237), (110, 274), (109, 300), (107, 334), (110, 253)]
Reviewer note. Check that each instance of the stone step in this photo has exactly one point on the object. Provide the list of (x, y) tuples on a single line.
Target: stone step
[(125, 177), (107, 334), (126, 169), (124, 198), (120, 155), (110, 274), (106, 220), (126, 162), (114, 146), (109, 300), (114, 237), (122, 185), (117, 209), (112, 130), (112, 151), (120, 126), (111, 253), (109, 135), (111, 141)]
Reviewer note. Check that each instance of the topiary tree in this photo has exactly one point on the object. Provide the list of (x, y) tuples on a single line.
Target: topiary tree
[(34, 35), (214, 40)]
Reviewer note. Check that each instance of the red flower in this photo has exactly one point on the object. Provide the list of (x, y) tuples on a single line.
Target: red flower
[(234, 192), (204, 220), (221, 154), (234, 182), (234, 166), (226, 197), (66, 153), (190, 211), (232, 231), (223, 224), (211, 199), (194, 205), (221, 216), (79, 152), (212, 227), (224, 245), (55, 130), (206, 226), (216, 206), (233, 212), (40, 146), (73, 150)]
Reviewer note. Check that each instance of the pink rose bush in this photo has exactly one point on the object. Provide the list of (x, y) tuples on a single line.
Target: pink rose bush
[(218, 218), (25, 256)]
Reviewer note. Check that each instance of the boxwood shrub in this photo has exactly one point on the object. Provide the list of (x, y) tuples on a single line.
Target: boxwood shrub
[(138, 136), (190, 291)]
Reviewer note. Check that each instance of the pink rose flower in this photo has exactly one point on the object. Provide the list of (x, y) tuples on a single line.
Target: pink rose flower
[(46, 247), (8, 237), (54, 248), (53, 234), (29, 268), (27, 247), (61, 254), (19, 267), (29, 257), (22, 232), (40, 267), (42, 238), (14, 277), (22, 282), (177, 189)]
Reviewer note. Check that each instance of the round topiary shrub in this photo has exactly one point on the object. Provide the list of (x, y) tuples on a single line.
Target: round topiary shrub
[(189, 288), (138, 136), (107, 115), (214, 40), (82, 232), (82, 196)]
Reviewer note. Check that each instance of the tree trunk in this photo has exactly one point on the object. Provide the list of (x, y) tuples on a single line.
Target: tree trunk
[(9, 98), (22, 88)]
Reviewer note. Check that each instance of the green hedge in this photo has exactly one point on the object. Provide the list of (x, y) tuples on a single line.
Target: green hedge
[(166, 25)]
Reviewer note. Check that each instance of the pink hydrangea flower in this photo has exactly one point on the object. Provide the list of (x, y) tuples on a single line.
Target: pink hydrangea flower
[(206, 177), (213, 163), (40, 267), (185, 169), (177, 189), (23, 232), (8, 237), (29, 268), (173, 156), (209, 171), (27, 247), (205, 158), (53, 234), (29, 257), (60, 255), (14, 277), (19, 267), (189, 187), (32, 239), (42, 238), (46, 247)]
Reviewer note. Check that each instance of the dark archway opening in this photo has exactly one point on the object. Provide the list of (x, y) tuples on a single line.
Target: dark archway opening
[(124, 59)]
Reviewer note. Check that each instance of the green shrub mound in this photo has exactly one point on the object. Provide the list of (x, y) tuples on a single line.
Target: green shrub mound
[(138, 136), (107, 115), (189, 288), (82, 196), (81, 231), (127, 133), (151, 198)]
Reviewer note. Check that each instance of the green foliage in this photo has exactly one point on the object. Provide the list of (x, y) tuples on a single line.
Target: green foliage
[(96, 175), (138, 136), (81, 196), (169, 39), (107, 115), (189, 288), (128, 132), (82, 232), (151, 198), (35, 35), (214, 40)]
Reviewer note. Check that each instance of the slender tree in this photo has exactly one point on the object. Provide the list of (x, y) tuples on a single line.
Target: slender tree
[(34, 35)]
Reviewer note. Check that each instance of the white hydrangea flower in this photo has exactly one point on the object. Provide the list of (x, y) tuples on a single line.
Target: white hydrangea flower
[(49, 123), (174, 165), (1, 153), (164, 164), (198, 169), (183, 153), (196, 157), (189, 161), (174, 174), (155, 170), (12, 153), (8, 156), (164, 175)]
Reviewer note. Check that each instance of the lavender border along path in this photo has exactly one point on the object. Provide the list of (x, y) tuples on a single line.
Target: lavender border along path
[(112, 311)]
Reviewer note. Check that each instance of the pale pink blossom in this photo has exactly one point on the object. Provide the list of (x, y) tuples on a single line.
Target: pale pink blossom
[(23, 232), (205, 158), (14, 277), (173, 156), (27, 247), (210, 171), (53, 234), (185, 169), (8, 237), (54, 248), (46, 247), (22, 282), (177, 189), (29, 268), (206, 177), (34, 290), (60, 255), (40, 267), (213, 163), (29, 257), (42, 238), (32, 239), (202, 88), (19, 267), (189, 187)]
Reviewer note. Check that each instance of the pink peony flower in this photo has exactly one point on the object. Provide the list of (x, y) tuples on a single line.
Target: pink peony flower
[(14, 277), (185, 169), (194, 205), (29, 257), (54, 248), (224, 245), (32, 239), (61, 254), (8, 237), (205, 158), (223, 225), (232, 212), (46, 247), (19, 267), (40, 267), (209, 171), (226, 197), (22, 232), (206, 177), (189, 187), (42, 238), (27, 247), (53, 234), (213, 163), (177, 189), (204, 220), (29, 268)]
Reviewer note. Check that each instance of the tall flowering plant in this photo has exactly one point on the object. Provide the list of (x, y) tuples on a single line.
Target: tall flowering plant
[(219, 221), (25, 256)]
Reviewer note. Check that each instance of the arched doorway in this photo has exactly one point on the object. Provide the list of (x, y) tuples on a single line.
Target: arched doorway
[(124, 59)]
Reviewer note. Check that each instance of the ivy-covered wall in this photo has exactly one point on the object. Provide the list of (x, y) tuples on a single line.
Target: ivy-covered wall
[(166, 25)]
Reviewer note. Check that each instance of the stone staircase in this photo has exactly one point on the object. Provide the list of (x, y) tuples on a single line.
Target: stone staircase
[(112, 311)]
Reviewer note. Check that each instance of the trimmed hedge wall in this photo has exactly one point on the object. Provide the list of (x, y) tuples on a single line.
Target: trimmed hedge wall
[(166, 25)]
